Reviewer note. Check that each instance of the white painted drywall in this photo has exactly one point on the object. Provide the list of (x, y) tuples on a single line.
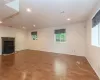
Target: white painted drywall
[(92, 52), (20, 37), (75, 44)]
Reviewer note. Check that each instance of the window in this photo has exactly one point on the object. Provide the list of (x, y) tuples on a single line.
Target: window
[(34, 35), (96, 29), (14, 4), (60, 35)]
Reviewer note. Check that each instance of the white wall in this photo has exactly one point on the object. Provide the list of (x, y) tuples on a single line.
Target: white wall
[(20, 37), (93, 52), (75, 44)]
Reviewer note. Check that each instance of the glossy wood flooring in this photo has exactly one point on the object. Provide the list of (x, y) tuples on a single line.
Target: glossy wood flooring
[(35, 65)]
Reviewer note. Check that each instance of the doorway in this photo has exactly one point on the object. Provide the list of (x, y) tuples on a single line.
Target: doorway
[(8, 45)]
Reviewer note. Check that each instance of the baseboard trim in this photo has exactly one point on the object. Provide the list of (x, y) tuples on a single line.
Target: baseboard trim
[(56, 52)]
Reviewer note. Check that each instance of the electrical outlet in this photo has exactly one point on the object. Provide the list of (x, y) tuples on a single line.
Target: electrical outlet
[(73, 51)]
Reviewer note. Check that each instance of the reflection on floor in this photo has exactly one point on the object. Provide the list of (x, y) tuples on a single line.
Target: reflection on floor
[(36, 65)]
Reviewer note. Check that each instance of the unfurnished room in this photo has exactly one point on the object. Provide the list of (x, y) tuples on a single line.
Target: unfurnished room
[(49, 39)]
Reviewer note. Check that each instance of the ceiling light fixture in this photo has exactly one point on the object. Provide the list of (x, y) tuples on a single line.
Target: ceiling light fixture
[(23, 27), (1, 22), (62, 12), (68, 19), (34, 25), (28, 10)]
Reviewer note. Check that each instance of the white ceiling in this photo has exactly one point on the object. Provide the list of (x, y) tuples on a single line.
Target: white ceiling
[(47, 13)]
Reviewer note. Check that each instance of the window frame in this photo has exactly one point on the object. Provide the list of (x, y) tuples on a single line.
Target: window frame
[(60, 39), (34, 34), (98, 29)]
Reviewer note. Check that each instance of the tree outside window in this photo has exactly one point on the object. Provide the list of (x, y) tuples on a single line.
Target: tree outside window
[(60, 35)]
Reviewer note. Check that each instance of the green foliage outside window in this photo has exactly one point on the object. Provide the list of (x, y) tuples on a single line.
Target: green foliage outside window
[(34, 35), (60, 35)]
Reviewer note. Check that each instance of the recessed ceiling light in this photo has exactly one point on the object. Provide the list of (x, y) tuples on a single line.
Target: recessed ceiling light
[(28, 10), (34, 25), (23, 27), (1, 22), (68, 19)]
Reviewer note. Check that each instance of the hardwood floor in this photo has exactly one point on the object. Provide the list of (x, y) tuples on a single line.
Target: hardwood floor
[(36, 65)]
